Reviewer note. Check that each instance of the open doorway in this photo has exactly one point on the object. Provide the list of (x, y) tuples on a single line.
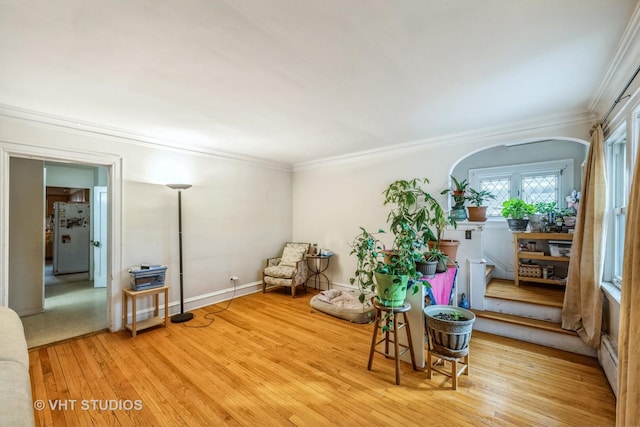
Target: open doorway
[(72, 303)]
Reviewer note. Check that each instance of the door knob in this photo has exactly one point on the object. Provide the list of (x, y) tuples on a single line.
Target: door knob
[(95, 243)]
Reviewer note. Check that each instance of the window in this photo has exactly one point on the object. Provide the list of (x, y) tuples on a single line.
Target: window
[(532, 182), (618, 176)]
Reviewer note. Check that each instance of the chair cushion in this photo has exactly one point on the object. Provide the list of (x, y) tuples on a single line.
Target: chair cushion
[(276, 281), (293, 252), (280, 271)]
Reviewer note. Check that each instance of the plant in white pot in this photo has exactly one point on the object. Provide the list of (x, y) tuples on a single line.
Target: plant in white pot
[(543, 216), (477, 211)]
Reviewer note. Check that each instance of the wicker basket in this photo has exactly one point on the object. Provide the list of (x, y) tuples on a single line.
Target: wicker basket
[(529, 270)]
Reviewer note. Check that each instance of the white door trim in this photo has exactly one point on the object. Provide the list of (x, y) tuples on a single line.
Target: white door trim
[(114, 256)]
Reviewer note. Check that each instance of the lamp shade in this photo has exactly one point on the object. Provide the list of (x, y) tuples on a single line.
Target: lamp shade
[(179, 186)]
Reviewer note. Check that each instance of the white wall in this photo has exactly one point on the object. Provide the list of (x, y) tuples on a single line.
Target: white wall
[(26, 237), (332, 199), (237, 214)]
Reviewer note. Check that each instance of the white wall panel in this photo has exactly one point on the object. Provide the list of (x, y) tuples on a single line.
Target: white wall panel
[(236, 215)]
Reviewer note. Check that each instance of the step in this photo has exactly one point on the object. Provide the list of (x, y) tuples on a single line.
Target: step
[(532, 294), (524, 321), (488, 273), (548, 334)]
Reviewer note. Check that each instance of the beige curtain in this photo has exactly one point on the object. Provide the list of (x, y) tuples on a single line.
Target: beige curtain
[(628, 406), (582, 308)]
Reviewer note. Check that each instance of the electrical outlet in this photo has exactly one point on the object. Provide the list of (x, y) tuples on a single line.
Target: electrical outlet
[(234, 278), (467, 234)]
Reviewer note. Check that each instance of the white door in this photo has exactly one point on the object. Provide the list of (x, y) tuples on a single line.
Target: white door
[(100, 237)]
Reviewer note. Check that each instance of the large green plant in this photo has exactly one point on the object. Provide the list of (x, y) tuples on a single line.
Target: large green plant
[(514, 208), (410, 219), (412, 212), (371, 258)]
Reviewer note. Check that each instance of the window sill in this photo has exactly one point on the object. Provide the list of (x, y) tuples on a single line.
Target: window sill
[(611, 291)]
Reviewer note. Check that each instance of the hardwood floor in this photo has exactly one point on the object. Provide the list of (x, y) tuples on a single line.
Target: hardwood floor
[(273, 360), (550, 295)]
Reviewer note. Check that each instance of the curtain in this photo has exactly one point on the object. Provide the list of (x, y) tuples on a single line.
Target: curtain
[(582, 308), (628, 404)]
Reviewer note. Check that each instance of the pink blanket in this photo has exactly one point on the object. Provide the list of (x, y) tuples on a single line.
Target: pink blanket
[(441, 286)]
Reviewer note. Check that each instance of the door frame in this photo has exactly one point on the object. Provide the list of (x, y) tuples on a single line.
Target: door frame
[(113, 164)]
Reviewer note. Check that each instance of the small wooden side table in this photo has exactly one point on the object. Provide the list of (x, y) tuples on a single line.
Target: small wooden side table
[(156, 320)]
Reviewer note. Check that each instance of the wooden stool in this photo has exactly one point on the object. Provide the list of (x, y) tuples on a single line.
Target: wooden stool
[(438, 365), (380, 320)]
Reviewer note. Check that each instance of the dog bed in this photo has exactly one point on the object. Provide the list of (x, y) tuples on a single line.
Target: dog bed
[(344, 305)]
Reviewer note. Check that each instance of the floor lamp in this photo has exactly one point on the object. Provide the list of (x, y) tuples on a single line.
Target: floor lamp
[(182, 316)]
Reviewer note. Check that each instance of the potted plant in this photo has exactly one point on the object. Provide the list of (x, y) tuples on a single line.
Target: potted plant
[(458, 191), (568, 216), (409, 220), (440, 220), (387, 276), (440, 258), (516, 212), (412, 208), (478, 212), (545, 213), (426, 266), (449, 329)]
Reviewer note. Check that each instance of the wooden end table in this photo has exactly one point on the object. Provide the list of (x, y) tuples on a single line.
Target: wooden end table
[(156, 320)]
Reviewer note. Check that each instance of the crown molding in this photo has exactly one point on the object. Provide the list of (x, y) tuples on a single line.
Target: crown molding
[(546, 123), (128, 137), (622, 66)]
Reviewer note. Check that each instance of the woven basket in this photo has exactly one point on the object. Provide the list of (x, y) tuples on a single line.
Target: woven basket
[(529, 270)]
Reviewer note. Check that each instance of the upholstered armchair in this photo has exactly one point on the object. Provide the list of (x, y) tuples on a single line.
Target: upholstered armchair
[(290, 269)]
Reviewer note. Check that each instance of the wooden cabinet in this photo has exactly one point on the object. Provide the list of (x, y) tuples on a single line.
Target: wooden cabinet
[(542, 258)]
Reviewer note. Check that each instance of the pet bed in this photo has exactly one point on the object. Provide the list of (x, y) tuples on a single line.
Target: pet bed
[(344, 305)]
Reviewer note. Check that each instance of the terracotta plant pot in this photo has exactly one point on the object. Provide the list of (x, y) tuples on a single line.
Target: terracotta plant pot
[(450, 248), (477, 213)]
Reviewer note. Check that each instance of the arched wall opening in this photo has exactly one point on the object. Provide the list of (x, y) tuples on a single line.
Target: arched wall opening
[(497, 239)]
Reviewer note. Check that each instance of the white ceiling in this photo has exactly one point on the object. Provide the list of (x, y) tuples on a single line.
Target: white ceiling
[(293, 80)]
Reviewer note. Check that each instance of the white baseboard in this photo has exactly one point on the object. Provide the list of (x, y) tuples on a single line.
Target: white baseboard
[(203, 300)]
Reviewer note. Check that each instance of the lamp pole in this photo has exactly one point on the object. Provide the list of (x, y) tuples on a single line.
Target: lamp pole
[(182, 316)]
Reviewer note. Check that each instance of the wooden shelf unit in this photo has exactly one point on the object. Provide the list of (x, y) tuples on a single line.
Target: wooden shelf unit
[(156, 320), (542, 245)]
